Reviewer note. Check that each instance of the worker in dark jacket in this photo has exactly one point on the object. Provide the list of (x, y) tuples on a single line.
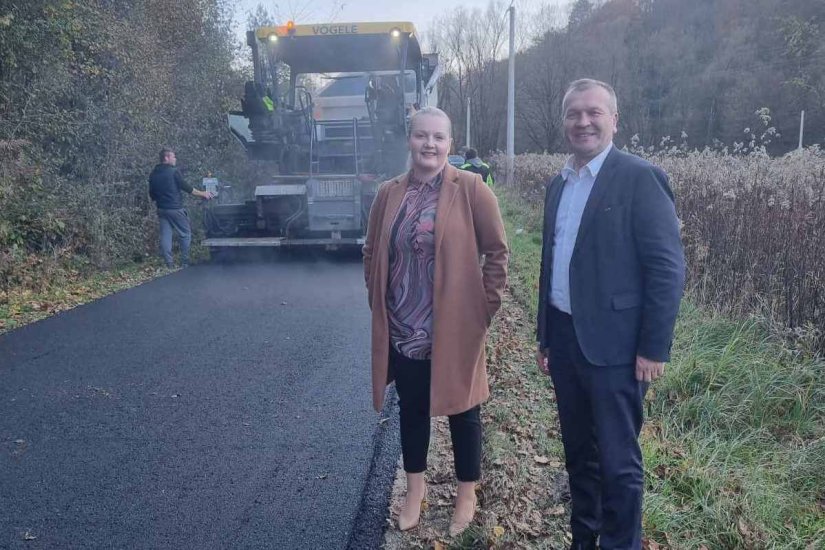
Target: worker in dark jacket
[(474, 164), (165, 186)]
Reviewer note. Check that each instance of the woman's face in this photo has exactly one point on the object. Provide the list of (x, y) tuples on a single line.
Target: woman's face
[(429, 143)]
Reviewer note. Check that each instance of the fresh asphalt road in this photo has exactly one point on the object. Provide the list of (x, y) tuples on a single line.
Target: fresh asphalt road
[(222, 406)]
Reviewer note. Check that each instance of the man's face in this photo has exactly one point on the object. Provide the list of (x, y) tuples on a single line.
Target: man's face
[(170, 158), (589, 123)]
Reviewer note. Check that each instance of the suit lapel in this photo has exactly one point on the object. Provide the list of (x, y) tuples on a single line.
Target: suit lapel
[(446, 197), (552, 205), (553, 199), (600, 187)]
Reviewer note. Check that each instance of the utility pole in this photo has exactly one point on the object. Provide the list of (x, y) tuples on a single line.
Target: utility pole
[(801, 128), (467, 135), (511, 98)]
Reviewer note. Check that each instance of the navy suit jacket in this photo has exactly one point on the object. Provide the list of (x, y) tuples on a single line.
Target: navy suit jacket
[(627, 271)]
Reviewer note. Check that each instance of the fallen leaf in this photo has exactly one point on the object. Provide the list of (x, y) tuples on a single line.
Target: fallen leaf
[(661, 471), (498, 531), (543, 460), (744, 530)]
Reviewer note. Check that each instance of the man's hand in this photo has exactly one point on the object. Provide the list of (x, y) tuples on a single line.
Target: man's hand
[(647, 370), (202, 194), (542, 361)]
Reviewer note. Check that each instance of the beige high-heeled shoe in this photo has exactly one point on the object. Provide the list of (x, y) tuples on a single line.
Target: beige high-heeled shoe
[(405, 522), (459, 524)]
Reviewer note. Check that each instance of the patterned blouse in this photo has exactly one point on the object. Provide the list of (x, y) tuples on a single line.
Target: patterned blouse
[(412, 261)]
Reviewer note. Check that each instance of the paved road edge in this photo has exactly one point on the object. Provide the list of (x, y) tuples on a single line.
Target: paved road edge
[(370, 521)]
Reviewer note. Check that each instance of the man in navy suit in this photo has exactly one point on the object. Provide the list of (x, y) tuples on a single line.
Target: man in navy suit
[(612, 274)]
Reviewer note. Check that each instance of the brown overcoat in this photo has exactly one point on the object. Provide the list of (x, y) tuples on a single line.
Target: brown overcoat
[(466, 292)]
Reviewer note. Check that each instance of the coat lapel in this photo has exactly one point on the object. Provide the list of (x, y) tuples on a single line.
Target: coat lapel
[(394, 197), (449, 189), (600, 186)]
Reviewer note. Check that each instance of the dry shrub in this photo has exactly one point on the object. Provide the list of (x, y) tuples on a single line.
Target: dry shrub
[(754, 229)]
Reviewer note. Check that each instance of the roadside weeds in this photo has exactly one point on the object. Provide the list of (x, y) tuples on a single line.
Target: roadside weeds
[(20, 307)]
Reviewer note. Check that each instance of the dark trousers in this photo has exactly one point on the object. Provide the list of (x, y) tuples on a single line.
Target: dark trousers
[(412, 382), (176, 221), (601, 415)]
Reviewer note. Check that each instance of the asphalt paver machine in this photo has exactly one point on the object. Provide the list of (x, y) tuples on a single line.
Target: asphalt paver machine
[(329, 105)]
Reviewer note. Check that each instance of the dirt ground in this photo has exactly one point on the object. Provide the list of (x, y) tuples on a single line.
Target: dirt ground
[(523, 496)]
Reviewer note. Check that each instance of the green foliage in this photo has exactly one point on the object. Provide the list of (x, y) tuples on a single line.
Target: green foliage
[(89, 92), (736, 457)]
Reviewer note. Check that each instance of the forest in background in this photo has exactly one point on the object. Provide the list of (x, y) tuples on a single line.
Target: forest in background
[(696, 72)]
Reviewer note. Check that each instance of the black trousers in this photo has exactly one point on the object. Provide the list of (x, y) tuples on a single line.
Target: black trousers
[(412, 382), (601, 414)]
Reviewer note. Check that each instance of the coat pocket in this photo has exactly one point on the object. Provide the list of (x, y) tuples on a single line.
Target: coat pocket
[(626, 300)]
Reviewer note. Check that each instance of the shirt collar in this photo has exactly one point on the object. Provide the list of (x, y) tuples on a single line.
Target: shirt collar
[(434, 183), (593, 166)]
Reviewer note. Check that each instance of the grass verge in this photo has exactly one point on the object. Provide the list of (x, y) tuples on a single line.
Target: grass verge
[(68, 289), (734, 444)]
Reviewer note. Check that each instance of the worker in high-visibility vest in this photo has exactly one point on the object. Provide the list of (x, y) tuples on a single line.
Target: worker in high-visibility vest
[(474, 164), (268, 102)]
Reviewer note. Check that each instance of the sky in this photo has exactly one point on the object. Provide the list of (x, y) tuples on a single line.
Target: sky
[(420, 12)]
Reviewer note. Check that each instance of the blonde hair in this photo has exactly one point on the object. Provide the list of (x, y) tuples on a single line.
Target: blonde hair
[(430, 111)]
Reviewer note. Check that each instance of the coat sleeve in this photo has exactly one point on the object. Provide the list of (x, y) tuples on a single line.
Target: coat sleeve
[(492, 243), (152, 194), (181, 183), (659, 249)]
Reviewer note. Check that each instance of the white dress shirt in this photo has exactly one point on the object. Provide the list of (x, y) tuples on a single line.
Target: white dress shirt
[(574, 195)]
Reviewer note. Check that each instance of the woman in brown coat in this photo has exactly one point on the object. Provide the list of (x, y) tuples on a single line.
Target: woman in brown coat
[(435, 263)]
